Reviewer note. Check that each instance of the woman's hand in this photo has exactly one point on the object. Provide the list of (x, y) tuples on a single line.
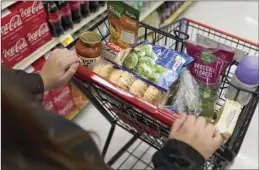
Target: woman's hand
[(195, 132), (61, 65)]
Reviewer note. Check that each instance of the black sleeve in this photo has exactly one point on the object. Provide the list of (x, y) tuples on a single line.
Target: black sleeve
[(176, 155), (31, 83), (67, 132)]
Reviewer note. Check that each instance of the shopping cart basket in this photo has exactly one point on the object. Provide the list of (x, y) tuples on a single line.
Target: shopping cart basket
[(147, 122)]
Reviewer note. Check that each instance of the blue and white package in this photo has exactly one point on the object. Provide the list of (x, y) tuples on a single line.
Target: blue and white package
[(159, 65)]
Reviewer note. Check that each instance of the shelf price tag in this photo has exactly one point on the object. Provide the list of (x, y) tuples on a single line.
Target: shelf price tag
[(66, 39)]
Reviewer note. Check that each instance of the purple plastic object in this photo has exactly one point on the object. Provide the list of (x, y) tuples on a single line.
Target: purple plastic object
[(248, 70)]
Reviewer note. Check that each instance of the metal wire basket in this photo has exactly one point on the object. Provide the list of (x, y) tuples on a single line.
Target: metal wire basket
[(150, 123)]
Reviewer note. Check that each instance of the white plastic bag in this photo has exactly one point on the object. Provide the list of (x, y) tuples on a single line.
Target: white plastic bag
[(187, 98)]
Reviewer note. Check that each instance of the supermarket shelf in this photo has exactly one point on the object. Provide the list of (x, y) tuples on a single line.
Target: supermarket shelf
[(76, 112), (87, 20), (5, 4), (154, 6), (55, 41), (176, 14), (36, 54)]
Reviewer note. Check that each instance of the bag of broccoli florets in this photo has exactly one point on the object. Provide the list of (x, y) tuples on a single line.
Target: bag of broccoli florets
[(208, 65), (157, 65)]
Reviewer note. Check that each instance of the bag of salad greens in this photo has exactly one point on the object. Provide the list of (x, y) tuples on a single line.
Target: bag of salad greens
[(159, 65)]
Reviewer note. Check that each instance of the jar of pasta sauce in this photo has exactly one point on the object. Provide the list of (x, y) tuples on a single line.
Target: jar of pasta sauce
[(89, 48)]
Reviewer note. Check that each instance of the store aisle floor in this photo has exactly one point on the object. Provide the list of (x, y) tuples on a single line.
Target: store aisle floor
[(239, 18)]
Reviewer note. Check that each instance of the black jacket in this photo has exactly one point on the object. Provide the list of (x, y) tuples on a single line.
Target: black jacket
[(175, 155)]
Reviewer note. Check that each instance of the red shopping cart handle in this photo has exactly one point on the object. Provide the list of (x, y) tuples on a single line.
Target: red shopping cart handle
[(162, 115)]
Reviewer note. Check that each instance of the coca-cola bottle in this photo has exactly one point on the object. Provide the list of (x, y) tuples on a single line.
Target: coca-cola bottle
[(54, 19), (94, 6), (167, 9), (85, 8), (102, 3), (75, 7), (65, 11)]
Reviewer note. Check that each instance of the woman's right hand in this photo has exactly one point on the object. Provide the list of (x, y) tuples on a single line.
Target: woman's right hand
[(195, 132)]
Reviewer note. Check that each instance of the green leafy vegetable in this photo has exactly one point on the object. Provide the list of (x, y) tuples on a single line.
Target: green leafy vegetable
[(131, 60), (143, 70)]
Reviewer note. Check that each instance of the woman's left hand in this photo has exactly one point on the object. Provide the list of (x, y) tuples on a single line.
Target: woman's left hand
[(59, 68)]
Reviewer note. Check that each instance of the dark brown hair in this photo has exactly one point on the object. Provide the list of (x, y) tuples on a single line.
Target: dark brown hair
[(25, 142)]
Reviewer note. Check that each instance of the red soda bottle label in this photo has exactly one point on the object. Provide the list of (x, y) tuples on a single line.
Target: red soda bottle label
[(65, 10), (74, 5), (54, 17)]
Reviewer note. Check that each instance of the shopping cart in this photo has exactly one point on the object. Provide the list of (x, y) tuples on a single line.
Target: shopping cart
[(147, 122)]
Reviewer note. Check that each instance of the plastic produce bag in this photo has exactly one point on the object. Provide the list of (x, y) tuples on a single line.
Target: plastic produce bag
[(207, 67), (187, 98)]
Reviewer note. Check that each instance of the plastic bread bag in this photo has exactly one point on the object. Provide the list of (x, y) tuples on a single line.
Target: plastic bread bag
[(103, 68), (158, 65), (137, 86), (131, 82), (187, 98), (207, 67)]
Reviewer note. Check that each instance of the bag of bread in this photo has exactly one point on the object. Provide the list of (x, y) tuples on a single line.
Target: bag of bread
[(124, 23)]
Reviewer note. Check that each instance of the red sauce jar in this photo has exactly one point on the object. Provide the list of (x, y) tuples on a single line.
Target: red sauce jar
[(89, 48)]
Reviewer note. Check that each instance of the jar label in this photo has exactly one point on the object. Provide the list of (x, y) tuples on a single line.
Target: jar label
[(88, 62)]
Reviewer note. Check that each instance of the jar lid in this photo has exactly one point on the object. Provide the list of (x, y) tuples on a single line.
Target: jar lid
[(90, 37)]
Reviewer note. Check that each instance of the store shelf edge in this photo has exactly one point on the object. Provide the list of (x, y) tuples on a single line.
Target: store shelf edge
[(6, 4), (55, 41)]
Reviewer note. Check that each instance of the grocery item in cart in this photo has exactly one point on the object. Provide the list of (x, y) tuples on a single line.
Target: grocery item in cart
[(187, 98), (123, 20), (207, 67), (138, 88), (125, 80), (157, 65), (115, 75), (103, 68), (89, 48), (130, 82), (152, 95), (245, 77), (229, 114)]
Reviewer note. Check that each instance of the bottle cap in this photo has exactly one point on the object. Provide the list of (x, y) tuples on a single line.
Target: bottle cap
[(248, 70)]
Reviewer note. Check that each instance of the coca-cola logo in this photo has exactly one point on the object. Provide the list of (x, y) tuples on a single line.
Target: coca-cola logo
[(36, 7), (43, 29), (19, 46), (62, 95), (14, 22), (49, 105), (67, 108)]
